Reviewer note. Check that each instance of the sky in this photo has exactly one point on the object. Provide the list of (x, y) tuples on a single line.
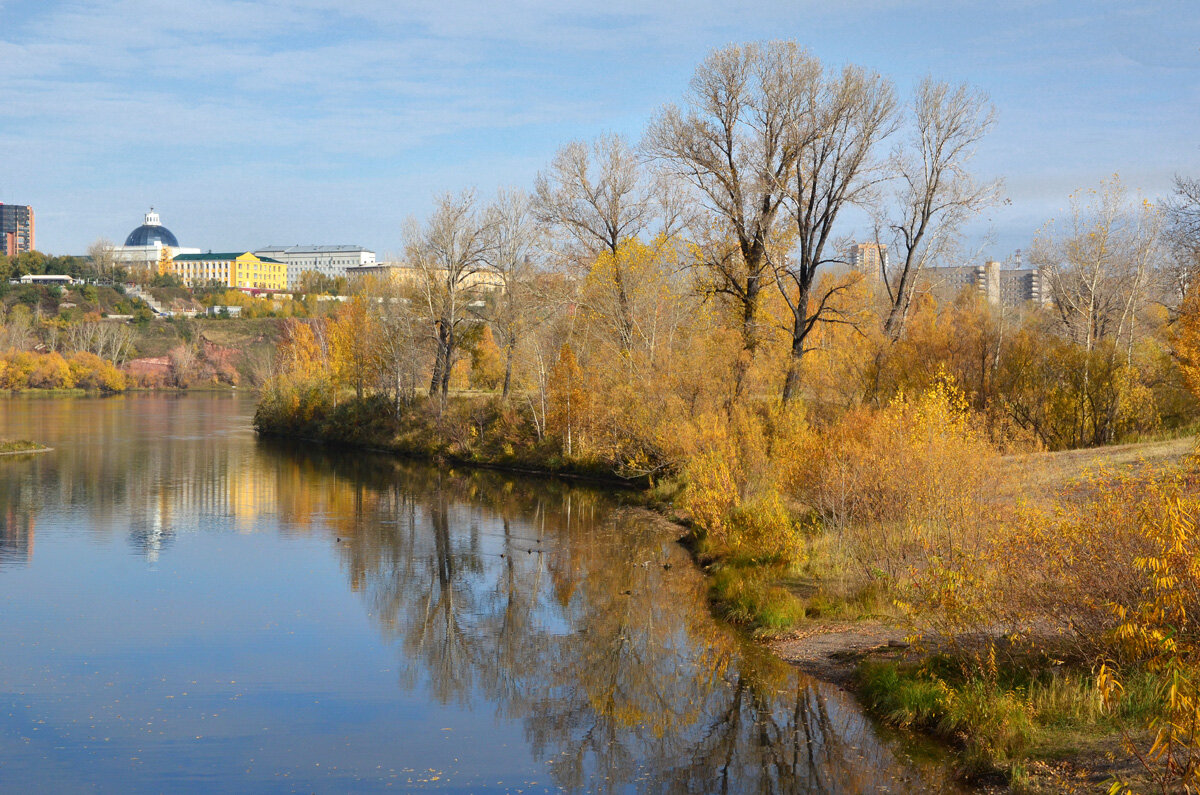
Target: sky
[(248, 123)]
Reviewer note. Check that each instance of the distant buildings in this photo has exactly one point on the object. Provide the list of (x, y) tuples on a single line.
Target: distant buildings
[(144, 246), (153, 247), (238, 270), (16, 228), (399, 273), (994, 284), (330, 261), (871, 259), (997, 285)]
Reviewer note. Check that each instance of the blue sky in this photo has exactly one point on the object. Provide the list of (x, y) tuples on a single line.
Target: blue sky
[(255, 122)]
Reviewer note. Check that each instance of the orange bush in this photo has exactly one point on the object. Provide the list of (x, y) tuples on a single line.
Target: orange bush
[(52, 372)]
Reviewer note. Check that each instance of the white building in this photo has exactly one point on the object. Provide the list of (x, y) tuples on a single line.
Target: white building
[(331, 261), (144, 245)]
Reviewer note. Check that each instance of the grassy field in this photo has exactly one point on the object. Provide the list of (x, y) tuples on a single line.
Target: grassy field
[(1042, 477)]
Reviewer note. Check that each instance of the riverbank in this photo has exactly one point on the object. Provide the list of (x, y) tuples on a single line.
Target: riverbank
[(816, 615), (1029, 711), (449, 437)]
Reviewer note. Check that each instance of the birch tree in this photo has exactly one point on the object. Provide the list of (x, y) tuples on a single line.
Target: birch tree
[(1100, 267), (515, 235), (599, 197), (1182, 212), (402, 338)]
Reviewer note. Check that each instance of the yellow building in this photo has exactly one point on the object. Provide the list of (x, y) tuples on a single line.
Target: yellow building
[(243, 271)]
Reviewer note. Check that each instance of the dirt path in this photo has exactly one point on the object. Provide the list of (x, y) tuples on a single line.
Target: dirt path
[(831, 651)]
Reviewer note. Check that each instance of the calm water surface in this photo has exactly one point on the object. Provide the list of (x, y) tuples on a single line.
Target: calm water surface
[(185, 608)]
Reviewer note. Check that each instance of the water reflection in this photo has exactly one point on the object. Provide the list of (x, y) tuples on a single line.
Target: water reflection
[(537, 603), (587, 623)]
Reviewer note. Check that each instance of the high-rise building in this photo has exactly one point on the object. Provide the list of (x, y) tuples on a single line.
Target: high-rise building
[(994, 284), (16, 228), (870, 258)]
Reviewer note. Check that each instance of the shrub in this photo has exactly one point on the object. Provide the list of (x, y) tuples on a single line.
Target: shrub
[(92, 372), (902, 483), (746, 595), (51, 372), (19, 366)]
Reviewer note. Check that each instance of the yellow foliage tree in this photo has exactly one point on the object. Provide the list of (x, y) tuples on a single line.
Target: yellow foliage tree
[(299, 352), (487, 362), (1185, 341), (570, 405), (353, 346)]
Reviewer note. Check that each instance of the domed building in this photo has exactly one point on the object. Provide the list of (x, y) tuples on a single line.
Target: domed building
[(152, 232), (144, 245)]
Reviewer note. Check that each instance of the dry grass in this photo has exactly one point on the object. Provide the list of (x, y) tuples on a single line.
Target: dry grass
[(1039, 479)]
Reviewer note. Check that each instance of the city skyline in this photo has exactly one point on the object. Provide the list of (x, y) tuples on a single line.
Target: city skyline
[(310, 122)]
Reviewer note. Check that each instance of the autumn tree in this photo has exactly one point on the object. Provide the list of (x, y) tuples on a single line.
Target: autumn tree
[(936, 194), (836, 167), (1182, 212), (103, 255), (300, 352), (183, 361), (1101, 265), (569, 404), (448, 255), (402, 339), (599, 197), (655, 297), (111, 341), (354, 345), (735, 143), (16, 328), (517, 304)]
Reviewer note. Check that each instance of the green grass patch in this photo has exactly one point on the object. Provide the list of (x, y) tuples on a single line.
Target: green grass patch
[(20, 446), (748, 595), (1031, 709)]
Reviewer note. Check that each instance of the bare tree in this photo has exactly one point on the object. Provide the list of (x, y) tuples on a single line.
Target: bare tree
[(448, 254), (600, 198), (183, 362), (596, 193), (1100, 270), (1183, 235), (936, 194), (835, 167), (514, 307), (104, 258), (736, 143), (17, 329), (403, 340), (106, 339)]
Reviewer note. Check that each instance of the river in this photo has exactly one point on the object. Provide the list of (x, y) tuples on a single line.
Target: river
[(187, 608)]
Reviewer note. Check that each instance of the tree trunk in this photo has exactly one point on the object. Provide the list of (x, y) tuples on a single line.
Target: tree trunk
[(508, 366), (448, 359), (800, 329)]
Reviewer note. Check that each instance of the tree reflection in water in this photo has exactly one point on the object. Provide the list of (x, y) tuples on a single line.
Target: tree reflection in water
[(553, 603), (547, 603)]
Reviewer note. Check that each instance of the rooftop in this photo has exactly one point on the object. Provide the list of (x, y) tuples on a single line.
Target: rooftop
[(226, 256), (314, 249), (151, 232)]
